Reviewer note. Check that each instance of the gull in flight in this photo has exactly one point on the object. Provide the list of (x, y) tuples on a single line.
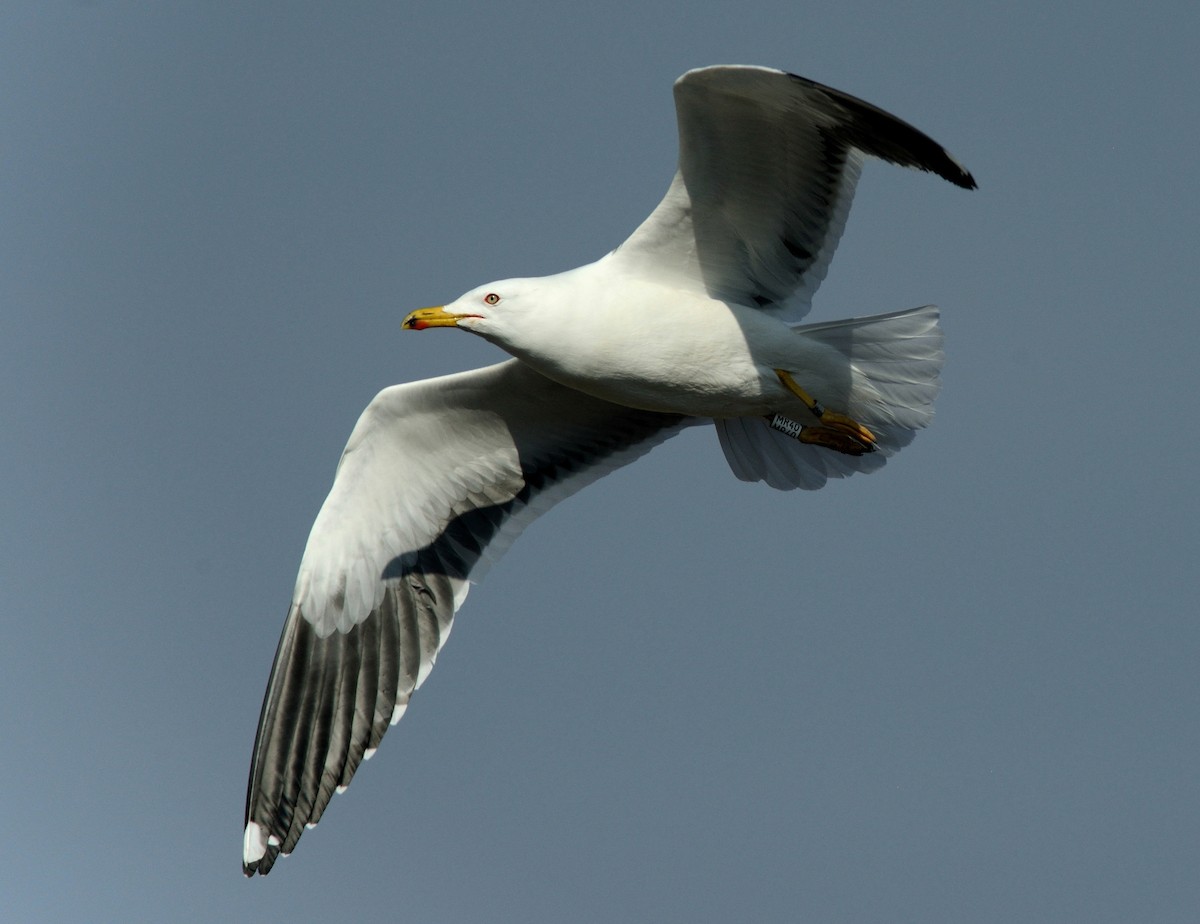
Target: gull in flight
[(694, 320)]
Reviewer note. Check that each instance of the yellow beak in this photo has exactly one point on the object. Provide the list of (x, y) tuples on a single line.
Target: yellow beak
[(436, 316)]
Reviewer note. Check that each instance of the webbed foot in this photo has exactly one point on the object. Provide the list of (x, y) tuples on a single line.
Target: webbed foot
[(837, 431)]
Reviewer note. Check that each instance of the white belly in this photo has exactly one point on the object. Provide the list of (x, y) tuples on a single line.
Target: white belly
[(690, 355)]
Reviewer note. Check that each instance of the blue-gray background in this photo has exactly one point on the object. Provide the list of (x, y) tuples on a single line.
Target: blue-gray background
[(962, 689)]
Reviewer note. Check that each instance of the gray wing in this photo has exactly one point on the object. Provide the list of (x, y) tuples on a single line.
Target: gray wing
[(768, 162), (437, 478)]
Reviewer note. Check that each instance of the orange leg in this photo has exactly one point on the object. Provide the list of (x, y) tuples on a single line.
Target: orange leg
[(837, 431)]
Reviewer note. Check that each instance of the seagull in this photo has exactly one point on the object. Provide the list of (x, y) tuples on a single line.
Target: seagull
[(694, 320)]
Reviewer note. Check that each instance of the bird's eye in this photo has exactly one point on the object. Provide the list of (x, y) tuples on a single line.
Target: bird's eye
[(491, 298)]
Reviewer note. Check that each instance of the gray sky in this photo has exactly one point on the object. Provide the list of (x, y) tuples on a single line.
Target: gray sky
[(962, 689)]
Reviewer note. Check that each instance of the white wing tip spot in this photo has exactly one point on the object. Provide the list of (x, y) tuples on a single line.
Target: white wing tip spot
[(340, 790), (368, 753), (254, 843), (398, 712)]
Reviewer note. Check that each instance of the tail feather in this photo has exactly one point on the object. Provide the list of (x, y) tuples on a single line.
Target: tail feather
[(895, 360)]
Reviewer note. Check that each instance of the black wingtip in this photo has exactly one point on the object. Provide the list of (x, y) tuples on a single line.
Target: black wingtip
[(962, 178), (881, 134)]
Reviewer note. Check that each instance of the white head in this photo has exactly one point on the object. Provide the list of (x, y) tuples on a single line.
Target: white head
[(496, 311)]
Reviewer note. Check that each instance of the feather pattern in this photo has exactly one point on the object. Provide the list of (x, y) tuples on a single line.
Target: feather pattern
[(409, 520), (768, 163)]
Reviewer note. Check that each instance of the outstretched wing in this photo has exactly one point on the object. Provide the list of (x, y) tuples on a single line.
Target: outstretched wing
[(437, 478), (768, 162)]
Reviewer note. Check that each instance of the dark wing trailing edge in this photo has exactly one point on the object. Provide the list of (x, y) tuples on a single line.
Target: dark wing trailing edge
[(437, 479), (768, 162)]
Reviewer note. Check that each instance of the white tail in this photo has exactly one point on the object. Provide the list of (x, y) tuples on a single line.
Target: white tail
[(894, 362)]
